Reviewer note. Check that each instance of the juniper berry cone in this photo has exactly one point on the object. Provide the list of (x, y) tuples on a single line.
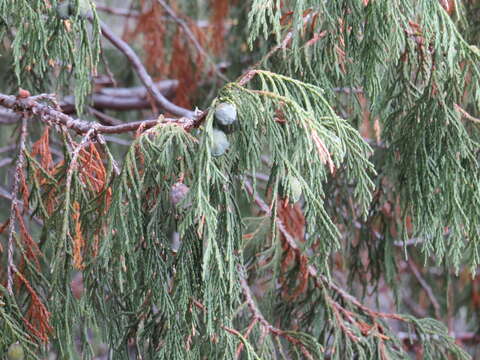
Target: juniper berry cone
[(178, 193)]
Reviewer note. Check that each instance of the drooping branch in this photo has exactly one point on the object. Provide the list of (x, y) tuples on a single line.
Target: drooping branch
[(14, 205), (166, 87), (423, 283), (71, 169), (142, 73), (51, 116), (130, 98), (257, 315), (122, 98), (319, 279)]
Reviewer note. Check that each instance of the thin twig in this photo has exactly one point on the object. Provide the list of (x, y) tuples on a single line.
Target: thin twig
[(7, 148), (251, 303), (104, 118), (142, 73), (133, 98), (470, 337), (272, 51), (14, 205), (398, 243), (466, 114), (425, 287), (257, 315), (246, 335), (106, 65), (237, 333), (71, 169), (192, 38), (283, 45), (5, 161)]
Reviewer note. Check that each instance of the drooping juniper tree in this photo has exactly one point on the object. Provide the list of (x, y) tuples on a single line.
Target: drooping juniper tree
[(218, 179)]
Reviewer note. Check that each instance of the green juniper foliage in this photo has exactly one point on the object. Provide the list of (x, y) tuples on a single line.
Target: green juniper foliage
[(225, 271), (51, 51), (415, 67)]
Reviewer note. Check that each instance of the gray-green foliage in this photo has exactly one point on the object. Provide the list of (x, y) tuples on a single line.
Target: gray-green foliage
[(48, 51), (12, 325), (302, 119), (189, 303), (414, 68), (155, 288), (175, 303), (205, 267)]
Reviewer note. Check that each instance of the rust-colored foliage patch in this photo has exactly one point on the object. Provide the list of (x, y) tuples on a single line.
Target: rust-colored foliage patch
[(93, 172), (182, 66), (448, 5), (184, 61), (37, 317), (42, 148), (152, 27), (294, 221), (24, 190), (2, 229), (78, 240), (220, 9), (32, 251)]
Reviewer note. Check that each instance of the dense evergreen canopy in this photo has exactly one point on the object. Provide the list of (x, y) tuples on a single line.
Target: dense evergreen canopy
[(218, 179)]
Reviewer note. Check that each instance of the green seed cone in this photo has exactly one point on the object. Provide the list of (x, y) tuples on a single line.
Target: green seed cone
[(15, 352), (225, 114), (220, 143)]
